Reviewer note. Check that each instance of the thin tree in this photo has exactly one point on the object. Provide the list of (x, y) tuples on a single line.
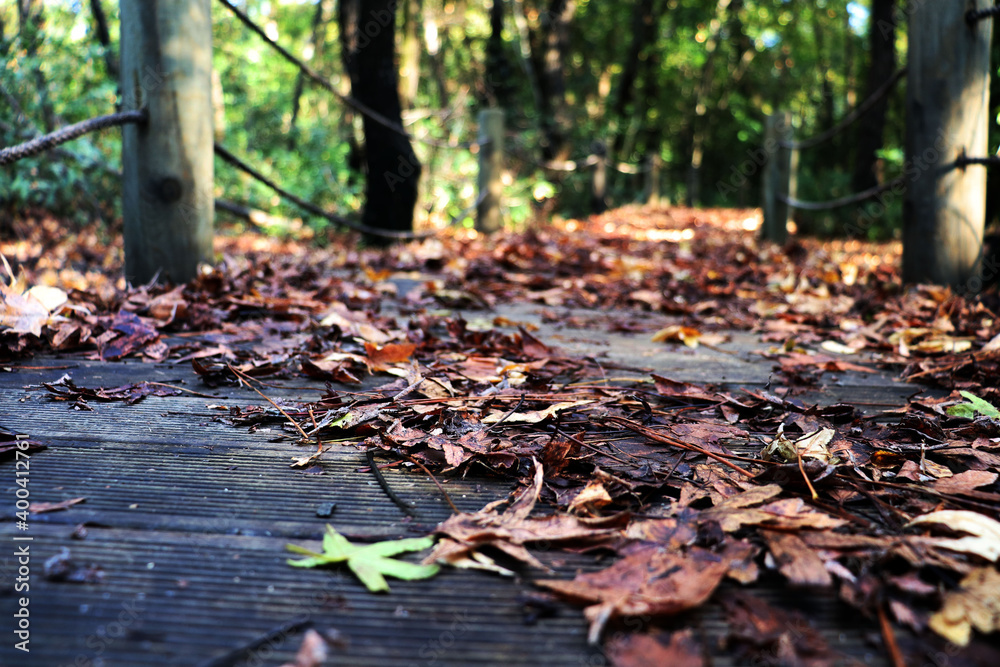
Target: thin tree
[(871, 126), (368, 49), (104, 38)]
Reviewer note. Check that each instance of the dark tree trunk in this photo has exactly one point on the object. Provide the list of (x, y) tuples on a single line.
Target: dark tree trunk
[(498, 87), (644, 25), (104, 38), (871, 126), (549, 52), (368, 41)]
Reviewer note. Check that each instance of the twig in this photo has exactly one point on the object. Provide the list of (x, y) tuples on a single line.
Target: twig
[(436, 483), (400, 503), (171, 386), (246, 378), (889, 637), (667, 440), (504, 418), (812, 489), (274, 635)]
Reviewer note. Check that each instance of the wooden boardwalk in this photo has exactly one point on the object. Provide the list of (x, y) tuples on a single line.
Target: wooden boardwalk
[(187, 517)]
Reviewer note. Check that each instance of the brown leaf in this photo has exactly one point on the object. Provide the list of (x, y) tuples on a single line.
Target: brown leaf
[(678, 649), (510, 531), (384, 357), (976, 604), (765, 635), (42, 508), (647, 582), (800, 564)]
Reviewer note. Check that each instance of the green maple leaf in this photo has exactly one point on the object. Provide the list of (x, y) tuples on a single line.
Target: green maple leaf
[(975, 406), (371, 563)]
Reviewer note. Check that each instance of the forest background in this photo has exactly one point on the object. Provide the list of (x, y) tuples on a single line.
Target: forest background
[(686, 83)]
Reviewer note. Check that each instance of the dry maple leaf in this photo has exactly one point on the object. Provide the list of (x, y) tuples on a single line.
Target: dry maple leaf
[(464, 535), (23, 310), (650, 581)]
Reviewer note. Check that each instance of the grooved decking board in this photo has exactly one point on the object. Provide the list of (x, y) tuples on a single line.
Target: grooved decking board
[(188, 517)]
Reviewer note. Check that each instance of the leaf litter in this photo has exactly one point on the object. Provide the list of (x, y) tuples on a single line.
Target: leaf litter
[(686, 486)]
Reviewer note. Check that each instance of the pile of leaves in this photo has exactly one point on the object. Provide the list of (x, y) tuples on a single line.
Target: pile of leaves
[(687, 486)]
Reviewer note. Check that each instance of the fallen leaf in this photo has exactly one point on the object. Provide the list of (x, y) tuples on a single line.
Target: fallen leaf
[(312, 653), (371, 563), (984, 532), (976, 604), (42, 508), (678, 649), (649, 582)]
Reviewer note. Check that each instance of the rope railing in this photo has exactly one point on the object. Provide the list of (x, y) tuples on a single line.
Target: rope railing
[(976, 15), (318, 78), (988, 161), (848, 200), (569, 166), (305, 205), (49, 141), (850, 118)]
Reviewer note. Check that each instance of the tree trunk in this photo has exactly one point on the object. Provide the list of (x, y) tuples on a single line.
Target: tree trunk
[(549, 52), (367, 30), (644, 25), (702, 91), (409, 57), (498, 87), (104, 38), (871, 126)]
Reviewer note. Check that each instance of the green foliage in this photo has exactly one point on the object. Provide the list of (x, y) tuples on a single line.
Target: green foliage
[(77, 87), (712, 74)]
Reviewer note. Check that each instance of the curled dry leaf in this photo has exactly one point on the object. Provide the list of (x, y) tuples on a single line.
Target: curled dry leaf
[(650, 581), (984, 532), (976, 604)]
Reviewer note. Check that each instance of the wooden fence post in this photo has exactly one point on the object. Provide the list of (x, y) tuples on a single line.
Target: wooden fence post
[(599, 178), (652, 187), (777, 176), (947, 115), (488, 218), (167, 187)]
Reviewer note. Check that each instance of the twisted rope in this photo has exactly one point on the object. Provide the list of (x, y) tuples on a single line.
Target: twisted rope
[(989, 161), (976, 15), (843, 201), (313, 208), (68, 133), (858, 112)]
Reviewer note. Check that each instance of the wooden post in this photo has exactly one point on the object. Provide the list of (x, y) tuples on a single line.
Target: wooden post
[(168, 198), (777, 175), (488, 218), (947, 114), (652, 189), (599, 178)]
